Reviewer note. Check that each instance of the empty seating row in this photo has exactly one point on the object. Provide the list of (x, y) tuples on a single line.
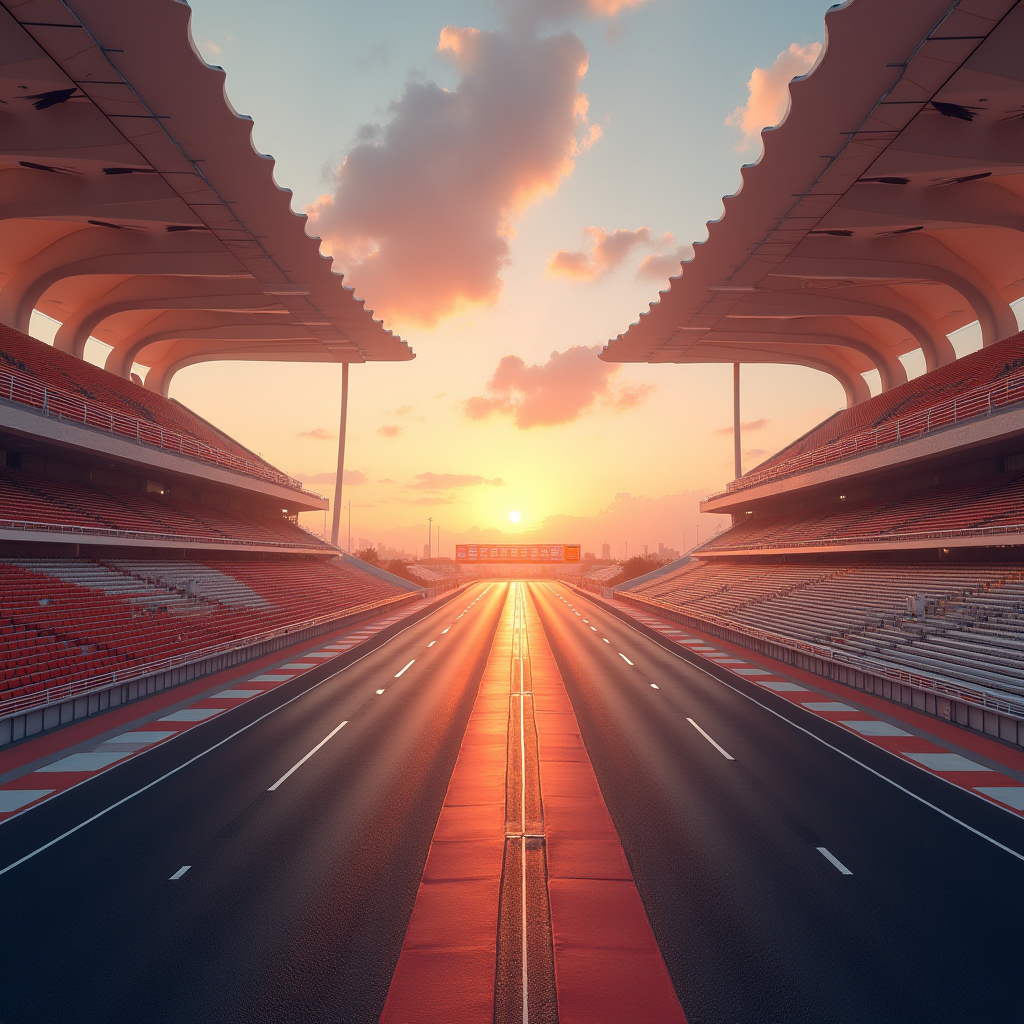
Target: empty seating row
[(106, 393), (984, 504), (979, 369), (963, 623), (66, 620), (29, 498)]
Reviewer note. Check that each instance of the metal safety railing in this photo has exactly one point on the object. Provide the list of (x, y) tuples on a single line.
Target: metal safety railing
[(28, 526), (59, 404), (970, 405)]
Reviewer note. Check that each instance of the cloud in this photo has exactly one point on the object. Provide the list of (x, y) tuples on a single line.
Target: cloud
[(449, 481), (768, 101), (389, 430), (423, 208), (403, 410), (753, 453), (744, 427), (561, 390), (439, 499), (354, 477), (317, 434), (660, 266), (535, 12), (607, 251)]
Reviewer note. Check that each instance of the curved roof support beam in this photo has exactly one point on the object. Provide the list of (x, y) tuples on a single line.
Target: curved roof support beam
[(907, 259), (255, 330), (816, 331), (880, 302), (106, 251), (837, 363), (191, 353), (207, 296)]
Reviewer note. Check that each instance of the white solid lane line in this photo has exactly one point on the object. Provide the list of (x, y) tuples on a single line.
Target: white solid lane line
[(177, 874), (406, 669), (725, 753), (624, 658), (834, 861), (298, 764)]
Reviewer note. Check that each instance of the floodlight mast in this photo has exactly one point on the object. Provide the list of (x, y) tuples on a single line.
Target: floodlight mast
[(336, 520)]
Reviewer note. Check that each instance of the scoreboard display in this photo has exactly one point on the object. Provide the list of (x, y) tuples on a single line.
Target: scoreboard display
[(517, 554)]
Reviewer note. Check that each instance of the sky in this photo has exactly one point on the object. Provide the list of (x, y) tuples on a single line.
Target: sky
[(508, 183)]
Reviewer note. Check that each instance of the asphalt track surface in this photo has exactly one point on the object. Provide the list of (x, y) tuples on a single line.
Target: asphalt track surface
[(757, 925), (296, 900)]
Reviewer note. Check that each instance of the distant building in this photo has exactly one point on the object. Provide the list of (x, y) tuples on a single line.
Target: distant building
[(606, 551)]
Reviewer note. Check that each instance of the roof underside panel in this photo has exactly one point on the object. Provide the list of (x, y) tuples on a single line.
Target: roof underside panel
[(885, 213), (134, 208)]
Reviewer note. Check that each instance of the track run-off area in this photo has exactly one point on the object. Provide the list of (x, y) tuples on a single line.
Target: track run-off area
[(517, 807)]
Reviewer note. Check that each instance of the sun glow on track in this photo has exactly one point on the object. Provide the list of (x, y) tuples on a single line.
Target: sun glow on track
[(514, 517)]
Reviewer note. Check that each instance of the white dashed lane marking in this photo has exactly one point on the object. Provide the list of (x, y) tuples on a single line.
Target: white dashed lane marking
[(834, 861), (181, 871)]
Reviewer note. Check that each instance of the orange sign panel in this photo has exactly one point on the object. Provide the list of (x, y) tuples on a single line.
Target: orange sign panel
[(518, 554)]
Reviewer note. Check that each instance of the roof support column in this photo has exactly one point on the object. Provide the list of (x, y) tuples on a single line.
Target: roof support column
[(336, 518), (736, 443)]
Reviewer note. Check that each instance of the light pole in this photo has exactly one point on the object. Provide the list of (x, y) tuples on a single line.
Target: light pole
[(430, 522), (349, 548)]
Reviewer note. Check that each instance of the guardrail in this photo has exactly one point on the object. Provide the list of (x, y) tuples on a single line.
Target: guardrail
[(978, 696), (875, 538), (27, 525), (12, 706), (59, 404), (974, 404)]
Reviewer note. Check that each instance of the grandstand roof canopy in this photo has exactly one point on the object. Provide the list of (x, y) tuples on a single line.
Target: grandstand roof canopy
[(134, 208), (886, 212)]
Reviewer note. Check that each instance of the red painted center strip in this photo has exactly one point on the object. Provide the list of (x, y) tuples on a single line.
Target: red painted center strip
[(608, 967)]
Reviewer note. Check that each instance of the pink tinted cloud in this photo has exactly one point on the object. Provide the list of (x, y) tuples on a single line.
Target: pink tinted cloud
[(749, 425), (557, 11), (423, 207), (317, 434), (561, 390), (608, 249), (449, 481), (768, 101), (389, 430), (660, 266)]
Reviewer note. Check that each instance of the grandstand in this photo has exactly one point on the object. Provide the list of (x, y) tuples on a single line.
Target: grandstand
[(141, 546), (885, 547)]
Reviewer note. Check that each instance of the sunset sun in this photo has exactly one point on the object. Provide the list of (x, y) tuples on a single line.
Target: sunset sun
[(514, 517)]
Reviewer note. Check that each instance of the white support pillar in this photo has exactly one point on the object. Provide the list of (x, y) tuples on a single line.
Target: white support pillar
[(336, 518), (736, 440)]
